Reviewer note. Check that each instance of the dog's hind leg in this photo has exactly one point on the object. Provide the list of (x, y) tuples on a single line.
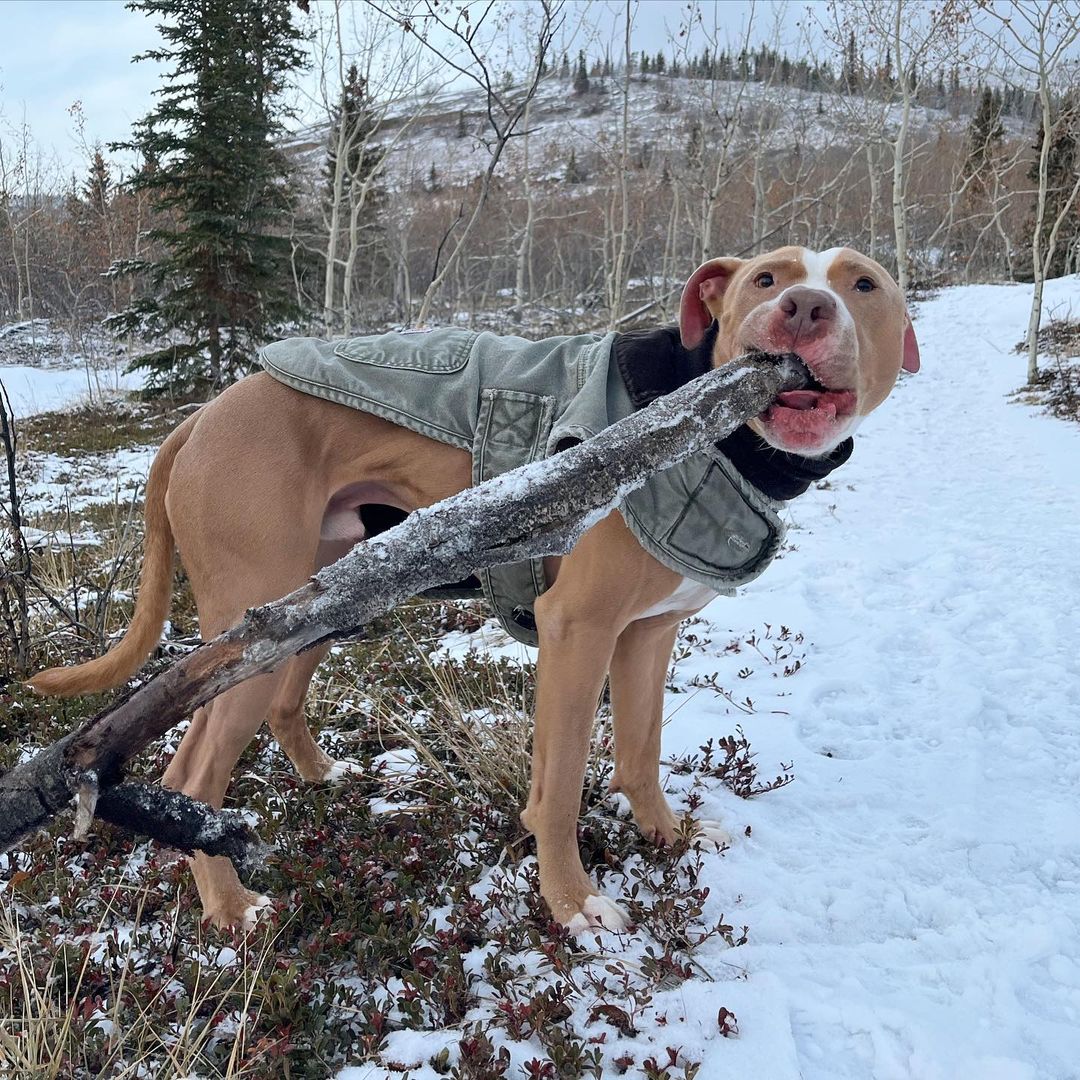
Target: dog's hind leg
[(202, 767), (287, 719), (638, 670)]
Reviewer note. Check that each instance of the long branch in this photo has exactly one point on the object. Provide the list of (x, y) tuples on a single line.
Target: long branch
[(533, 511)]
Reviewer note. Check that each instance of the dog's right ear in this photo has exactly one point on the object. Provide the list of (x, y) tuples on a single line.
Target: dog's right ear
[(703, 298)]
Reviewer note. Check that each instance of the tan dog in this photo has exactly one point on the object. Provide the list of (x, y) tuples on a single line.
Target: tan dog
[(262, 486)]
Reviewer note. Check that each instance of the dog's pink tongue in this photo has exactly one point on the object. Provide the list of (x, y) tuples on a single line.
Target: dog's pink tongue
[(798, 399)]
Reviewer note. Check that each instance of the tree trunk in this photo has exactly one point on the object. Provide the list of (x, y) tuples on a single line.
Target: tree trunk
[(906, 73)]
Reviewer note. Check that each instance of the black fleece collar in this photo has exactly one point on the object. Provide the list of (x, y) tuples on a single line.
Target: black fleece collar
[(653, 363)]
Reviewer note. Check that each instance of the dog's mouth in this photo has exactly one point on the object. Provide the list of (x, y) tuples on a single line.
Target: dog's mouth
[(809, 420)]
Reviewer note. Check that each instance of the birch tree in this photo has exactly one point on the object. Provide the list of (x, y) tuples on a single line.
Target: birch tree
[(461, 44), (363, 84), (911, 36), (1036, 41)]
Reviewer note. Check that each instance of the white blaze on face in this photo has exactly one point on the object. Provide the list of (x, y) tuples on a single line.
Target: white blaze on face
[(818, 264)]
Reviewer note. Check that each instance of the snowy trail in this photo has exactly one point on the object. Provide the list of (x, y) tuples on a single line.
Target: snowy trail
[(914, 897)]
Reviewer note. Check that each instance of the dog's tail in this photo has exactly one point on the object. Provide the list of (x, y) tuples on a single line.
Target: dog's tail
[(154, 597)]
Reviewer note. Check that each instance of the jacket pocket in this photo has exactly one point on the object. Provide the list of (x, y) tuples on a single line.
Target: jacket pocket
[(436, 352), (511, 430)]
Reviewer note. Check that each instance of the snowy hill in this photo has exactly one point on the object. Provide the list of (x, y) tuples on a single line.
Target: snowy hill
[(661, 112)]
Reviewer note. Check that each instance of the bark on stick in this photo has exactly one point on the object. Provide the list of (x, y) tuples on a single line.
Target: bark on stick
[(539, 509)]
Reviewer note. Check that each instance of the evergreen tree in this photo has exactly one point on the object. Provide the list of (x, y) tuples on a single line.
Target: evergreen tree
[(581, 76), (575, 174), (1062, 165), (850, 76), (985, 133), (97, 190), (218, 283), (564, 67)]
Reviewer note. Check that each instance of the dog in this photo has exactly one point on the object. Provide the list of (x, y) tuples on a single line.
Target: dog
[(264, 485)]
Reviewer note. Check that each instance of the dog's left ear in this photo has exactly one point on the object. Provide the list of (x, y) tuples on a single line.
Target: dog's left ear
[(703, 298), (911, 348)]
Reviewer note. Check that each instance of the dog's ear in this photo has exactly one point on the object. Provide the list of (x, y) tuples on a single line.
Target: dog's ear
[(703, 298), (911, 348)]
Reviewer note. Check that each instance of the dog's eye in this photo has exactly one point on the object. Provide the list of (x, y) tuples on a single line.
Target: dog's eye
[(865, 284), (764, 281)]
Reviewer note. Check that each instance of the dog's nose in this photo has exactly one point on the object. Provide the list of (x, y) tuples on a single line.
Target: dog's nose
[(807, 310)]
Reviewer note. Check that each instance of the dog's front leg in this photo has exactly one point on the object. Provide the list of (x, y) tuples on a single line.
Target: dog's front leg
[(601, 587), (638, 675), (573, 661)]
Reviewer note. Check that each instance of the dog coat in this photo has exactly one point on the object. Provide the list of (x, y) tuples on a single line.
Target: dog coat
[(510, 401)]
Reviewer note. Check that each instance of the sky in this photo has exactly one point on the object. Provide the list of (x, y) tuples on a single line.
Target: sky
[(60, 54)]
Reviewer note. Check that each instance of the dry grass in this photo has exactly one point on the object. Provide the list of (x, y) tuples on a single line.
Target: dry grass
[(47, 1008)]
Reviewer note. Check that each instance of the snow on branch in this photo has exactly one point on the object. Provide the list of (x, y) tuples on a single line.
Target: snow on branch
[(539, 509)]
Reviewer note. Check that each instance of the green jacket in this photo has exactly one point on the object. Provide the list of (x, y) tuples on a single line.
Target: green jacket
[(510, 401)]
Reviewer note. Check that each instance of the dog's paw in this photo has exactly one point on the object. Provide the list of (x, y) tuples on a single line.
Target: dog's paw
[(251, 912), (336, 771), (712, 832), (599, 913), (240, 911)]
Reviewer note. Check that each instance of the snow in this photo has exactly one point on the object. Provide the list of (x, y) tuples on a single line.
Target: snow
[(34, 390), (913, 898), (44, 368)]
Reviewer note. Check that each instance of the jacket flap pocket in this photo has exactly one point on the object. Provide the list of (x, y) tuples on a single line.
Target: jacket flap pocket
[(511, 430), (435, 352)]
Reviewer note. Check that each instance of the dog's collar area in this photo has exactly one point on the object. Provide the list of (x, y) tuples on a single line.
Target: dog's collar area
[(654, 362), (777, 473)]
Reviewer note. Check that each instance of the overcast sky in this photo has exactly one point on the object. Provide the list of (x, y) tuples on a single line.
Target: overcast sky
[(56, 53)]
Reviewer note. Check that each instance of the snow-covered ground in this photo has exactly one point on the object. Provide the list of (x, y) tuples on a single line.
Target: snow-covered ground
[(914, 897), (35, 390), (42, 369)]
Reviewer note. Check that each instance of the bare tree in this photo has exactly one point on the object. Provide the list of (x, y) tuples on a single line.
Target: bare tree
[(461, 45), (911, 37), (1036, 39)]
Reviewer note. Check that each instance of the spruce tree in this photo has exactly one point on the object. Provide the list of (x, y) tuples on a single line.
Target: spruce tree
[(97, 190), (218, 284), (852, 67), (581, 76), (1062, 165), (985, 133), (574, 173)]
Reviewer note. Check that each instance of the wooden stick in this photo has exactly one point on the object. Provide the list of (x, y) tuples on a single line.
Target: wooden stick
[(539, 509)]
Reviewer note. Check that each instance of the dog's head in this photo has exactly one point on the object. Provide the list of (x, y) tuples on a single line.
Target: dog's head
[(838, 310)]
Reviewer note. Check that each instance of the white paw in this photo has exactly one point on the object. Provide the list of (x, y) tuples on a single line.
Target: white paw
[(338, 770), (713, 832), (251, 912), (598, 912)]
